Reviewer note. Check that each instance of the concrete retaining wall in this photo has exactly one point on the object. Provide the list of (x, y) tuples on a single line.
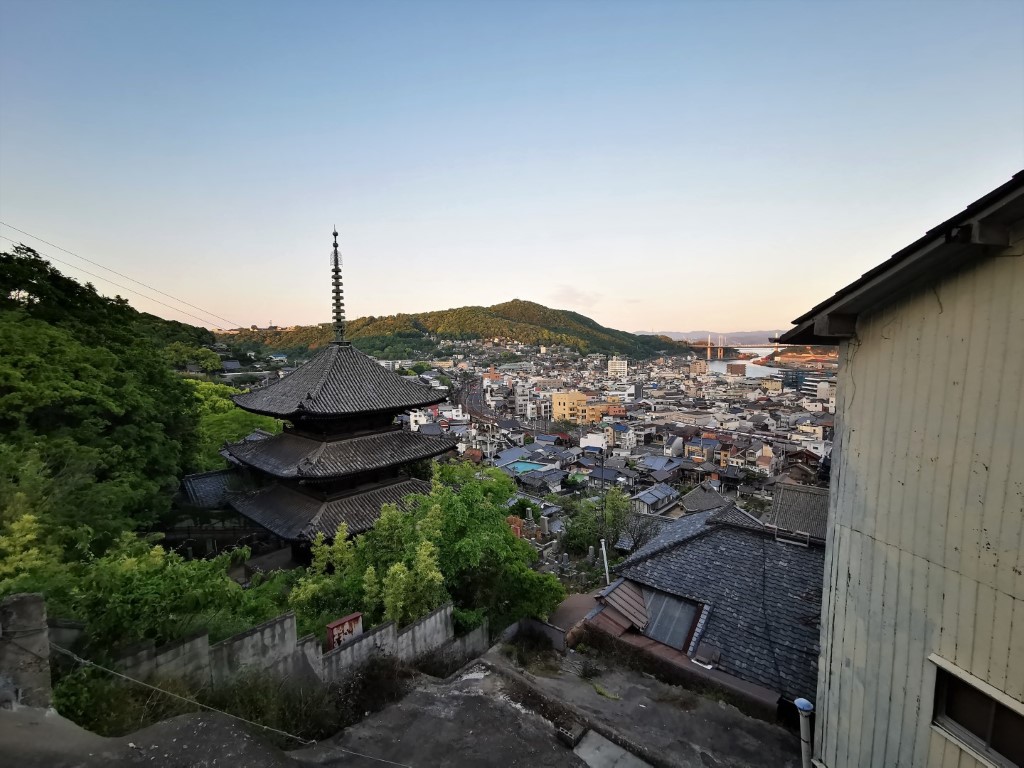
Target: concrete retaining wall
[(554, 635), (274, 647), (189, 659), (474, 644), (271, 647), (429, 634), (24, 652)]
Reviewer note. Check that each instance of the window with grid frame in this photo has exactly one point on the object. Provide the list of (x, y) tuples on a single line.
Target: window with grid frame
[(975, 718)]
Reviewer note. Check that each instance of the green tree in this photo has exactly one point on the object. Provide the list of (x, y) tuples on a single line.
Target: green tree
[(85, 389), (221, 421)]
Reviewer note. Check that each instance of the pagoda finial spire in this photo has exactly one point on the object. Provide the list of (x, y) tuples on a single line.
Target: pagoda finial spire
[(339, 294)]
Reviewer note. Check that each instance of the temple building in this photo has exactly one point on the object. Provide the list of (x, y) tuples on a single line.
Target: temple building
[(341, 455)]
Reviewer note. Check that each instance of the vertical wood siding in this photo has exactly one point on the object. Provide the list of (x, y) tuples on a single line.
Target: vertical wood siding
[(924, 548)]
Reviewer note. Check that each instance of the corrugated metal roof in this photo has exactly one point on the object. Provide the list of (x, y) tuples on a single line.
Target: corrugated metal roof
[(628, 600), (292, 456), (656, 494), (934, 254), (671, 619), (339, 381)]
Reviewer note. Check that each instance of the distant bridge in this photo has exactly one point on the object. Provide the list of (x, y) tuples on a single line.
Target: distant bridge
[(721, 346)]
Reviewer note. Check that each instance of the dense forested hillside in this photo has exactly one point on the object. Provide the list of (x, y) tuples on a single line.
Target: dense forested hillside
[(412, 335), (95, 427)]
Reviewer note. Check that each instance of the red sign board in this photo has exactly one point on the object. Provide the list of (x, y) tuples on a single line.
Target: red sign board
[(344, 629)]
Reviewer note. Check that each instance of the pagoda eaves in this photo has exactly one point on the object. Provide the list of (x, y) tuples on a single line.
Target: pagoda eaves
[(339, 381)]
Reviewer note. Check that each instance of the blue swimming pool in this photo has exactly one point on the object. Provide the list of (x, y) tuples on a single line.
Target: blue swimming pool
[(521, 467)]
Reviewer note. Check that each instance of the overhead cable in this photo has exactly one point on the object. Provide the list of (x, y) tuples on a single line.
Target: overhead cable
[(231, 323), (203, 320)]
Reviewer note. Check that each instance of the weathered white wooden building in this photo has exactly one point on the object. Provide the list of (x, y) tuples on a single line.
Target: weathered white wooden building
[(922, 630)]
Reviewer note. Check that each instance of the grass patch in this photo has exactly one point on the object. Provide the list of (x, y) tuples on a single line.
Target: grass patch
[(602, 691)]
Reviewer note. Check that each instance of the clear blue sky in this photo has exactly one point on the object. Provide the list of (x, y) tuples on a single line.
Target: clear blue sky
[(655, 165)]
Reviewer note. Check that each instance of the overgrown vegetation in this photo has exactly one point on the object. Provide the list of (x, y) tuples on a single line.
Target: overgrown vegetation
[(221, 421), (452, 544), (95, 428), (111, 707)]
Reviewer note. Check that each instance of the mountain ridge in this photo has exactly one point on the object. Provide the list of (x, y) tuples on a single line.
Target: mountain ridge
[(402, 335)]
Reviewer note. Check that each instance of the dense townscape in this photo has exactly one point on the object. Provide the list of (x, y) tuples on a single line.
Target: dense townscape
[(340, 425)]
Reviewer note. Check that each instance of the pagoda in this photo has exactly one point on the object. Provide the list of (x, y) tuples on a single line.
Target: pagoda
[(341, 455)]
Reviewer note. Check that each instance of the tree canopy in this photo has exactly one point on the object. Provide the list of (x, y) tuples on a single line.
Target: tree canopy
[(88, 405)]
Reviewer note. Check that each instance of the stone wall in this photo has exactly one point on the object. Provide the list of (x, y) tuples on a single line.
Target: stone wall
[(24, 652), (271, 646), (432, 632), (275, 648), (188, 659)]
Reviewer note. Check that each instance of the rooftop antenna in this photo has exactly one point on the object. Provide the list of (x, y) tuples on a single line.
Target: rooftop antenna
[(339, 294)]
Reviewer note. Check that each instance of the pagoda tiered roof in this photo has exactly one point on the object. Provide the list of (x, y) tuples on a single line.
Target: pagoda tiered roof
[(297, 516), (292, 456), (339, 381)]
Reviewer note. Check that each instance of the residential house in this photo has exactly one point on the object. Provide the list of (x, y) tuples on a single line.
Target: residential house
[(701, 449), (619, 435), (595, 440), (718, 589), (923, 620), (655, 500), (543, 480), (674, 445), (607, 477), (703, 498)]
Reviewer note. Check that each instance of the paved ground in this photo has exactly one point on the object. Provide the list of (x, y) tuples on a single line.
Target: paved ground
[(35, 738), (478, 720), (571, 611), (468, 723), (598, 752), (677, 727), (471, 722)]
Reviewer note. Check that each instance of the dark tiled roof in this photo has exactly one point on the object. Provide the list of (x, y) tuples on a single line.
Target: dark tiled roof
[(339, 381), (799, 509), (671, 534), (765, 598), (657, 494), (296, 516), (289, 455), (208, 490), (703, 498), (733, 515)]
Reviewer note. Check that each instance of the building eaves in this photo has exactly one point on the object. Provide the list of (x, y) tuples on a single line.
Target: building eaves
[(289, 455), (297, 516), (339, 381), (975, 232)]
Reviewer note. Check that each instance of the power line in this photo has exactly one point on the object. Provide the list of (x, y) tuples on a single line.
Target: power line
[(304, 742), (231, 323), (204, 320)]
